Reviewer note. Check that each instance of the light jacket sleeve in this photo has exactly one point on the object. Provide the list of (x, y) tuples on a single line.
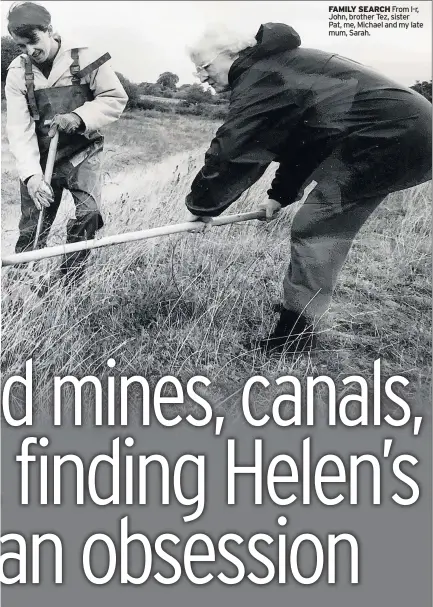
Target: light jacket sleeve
[(20, 127), (110, 99)]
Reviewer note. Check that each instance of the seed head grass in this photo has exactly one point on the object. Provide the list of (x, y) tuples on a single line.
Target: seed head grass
[(190, 304)]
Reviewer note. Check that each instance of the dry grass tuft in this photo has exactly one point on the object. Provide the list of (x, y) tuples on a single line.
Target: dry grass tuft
[(184, 305)]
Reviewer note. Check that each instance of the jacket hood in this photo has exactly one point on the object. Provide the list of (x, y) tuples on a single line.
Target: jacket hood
[(271, 38), (276, 37)]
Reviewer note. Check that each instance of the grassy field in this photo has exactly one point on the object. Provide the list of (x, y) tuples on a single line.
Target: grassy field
[(138, 140), (184, 305)]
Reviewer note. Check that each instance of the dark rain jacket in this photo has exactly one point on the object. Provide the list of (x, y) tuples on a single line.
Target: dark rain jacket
[(302, 107)]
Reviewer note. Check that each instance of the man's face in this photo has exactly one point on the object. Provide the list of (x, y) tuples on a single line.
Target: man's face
[(214, 70), (38, 47)]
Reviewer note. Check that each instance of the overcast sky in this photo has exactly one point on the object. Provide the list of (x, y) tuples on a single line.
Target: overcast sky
[(148, 38)]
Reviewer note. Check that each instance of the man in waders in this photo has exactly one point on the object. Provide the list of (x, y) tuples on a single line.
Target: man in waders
[(58, 86), (323, 118)]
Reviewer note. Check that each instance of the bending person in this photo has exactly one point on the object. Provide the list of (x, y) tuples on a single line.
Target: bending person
[(322, 117)]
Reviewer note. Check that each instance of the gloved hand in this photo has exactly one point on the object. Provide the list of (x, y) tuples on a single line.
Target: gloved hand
[(40, 192), (271, 207), (68, 123), (205, 221)]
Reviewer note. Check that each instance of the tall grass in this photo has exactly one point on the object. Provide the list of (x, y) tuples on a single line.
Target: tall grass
[(187, 305)]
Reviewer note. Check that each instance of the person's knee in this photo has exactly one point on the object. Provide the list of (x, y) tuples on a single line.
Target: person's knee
[(86, 191), (91, 218), (86, 202), (302, 226), (88, 215), (84, 226)]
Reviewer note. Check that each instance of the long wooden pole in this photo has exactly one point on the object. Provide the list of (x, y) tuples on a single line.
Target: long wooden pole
[(47, 177), (107, 241)]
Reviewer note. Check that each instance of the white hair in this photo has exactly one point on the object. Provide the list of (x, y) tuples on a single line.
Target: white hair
[(218, 38)]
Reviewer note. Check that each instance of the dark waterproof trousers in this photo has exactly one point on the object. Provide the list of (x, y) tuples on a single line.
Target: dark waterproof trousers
[(83, 180), (351, 182)]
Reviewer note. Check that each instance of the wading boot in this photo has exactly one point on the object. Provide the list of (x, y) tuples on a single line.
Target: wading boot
[(293, 333)]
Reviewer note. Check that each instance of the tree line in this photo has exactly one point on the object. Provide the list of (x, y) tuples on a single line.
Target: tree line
[(187, 98), (166, 88), (184, 99)]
